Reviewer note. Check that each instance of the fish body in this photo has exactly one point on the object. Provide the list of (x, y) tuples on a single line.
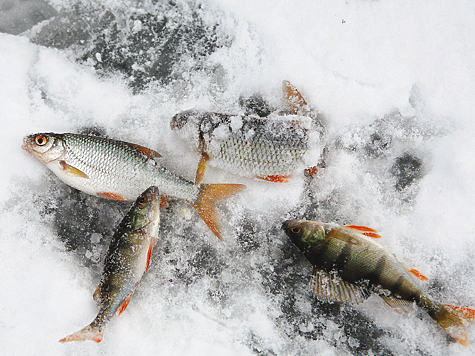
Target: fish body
[(127, 259), (349, 265), (120, 170), (272, 148)]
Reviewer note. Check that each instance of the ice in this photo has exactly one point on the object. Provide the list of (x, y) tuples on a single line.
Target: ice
[(395, 82)]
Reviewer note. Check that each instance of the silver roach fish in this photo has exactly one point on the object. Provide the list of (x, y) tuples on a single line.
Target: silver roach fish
[(121, 171), (349, 264), (272, 148), (127, 259)]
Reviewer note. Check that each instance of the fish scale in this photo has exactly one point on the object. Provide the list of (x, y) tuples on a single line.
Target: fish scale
[(348, 265)]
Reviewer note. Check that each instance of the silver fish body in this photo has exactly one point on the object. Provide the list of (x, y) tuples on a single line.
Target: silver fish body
[(349, 265), (127, 259), (253, 146), (120, 170)]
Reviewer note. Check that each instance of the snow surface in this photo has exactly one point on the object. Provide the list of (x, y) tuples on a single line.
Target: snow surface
[(395, 81)]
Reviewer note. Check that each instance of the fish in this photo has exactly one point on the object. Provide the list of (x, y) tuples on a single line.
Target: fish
[(349, 266), (121, 170), (271, 148), (127, 259)]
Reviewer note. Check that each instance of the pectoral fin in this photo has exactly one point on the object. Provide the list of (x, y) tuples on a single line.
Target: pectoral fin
[(275, 178), (72, 170), (331, 288), (124, 303), (149, 253)]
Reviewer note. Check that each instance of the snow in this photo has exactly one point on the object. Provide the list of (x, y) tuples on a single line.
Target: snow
[(395, 82)]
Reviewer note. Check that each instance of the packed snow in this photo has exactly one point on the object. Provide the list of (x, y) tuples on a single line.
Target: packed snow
[(395, 83)]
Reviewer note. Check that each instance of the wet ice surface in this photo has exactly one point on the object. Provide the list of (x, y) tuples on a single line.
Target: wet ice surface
[(399, 159)]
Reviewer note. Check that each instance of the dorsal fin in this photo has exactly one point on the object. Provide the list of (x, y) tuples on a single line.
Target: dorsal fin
[(292, 98), (331, 288), (367, 231), (146, 151)]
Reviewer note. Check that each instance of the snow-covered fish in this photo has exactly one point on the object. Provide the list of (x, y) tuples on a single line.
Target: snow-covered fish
[(271, 148), (121, 171), (349, 265), (127, 259)]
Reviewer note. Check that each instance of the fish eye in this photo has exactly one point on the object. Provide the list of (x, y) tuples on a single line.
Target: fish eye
[(41, 140), (142, 201), (295, 230)]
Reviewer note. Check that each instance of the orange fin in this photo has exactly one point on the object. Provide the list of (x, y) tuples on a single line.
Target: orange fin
[(292, 97), (124, 303), (311, 171), (146, 151), (200, 172), (163, 201), (367, 231), (275, 178), (204, 205), (149, 253), (88, 333), (454, 320), (72, 170), (109, 195), (418, 274)]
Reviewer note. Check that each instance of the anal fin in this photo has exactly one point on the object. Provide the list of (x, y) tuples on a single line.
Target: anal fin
[(124, 303), (331, 288), (275, 178)]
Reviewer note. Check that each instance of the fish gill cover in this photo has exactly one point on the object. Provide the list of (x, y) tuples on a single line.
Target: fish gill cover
[(122, 69)]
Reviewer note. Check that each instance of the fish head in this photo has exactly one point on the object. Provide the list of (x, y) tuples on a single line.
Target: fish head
[(146, 209), (304, 233), (187, 124), (46, 147)]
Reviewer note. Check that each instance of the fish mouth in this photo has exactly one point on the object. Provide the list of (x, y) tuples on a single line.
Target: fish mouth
[(27, 145)]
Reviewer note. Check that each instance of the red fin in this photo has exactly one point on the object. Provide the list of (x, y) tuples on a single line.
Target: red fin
[(149, 253), (311, 171), (109, 195), (275, 178), (204, 205), (88, 333), (293, 99), (124, 304), (454, 320), (371, 234), (163, 201), (146, 151), (72, 170), (418, 274), (360, 228), (200, 171)]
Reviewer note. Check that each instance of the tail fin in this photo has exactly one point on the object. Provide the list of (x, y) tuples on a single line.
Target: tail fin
[(209, 194), (454, 320), (88, 333)]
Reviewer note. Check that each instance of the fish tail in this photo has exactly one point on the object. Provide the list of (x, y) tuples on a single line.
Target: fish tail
[(453, 319), (88, 333), (209, 194)]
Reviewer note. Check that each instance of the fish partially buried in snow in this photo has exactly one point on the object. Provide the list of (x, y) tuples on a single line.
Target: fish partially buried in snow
[(127, 259), (348, 265), (121, 171), (272, 148)]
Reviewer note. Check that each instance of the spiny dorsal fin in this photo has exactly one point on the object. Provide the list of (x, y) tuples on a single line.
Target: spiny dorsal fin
[(367, 231), (400, 306), (73, 170), (331, 288)]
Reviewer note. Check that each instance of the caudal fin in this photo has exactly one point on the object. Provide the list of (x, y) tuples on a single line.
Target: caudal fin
[(454, 319), (88, 333), (209, 194)]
